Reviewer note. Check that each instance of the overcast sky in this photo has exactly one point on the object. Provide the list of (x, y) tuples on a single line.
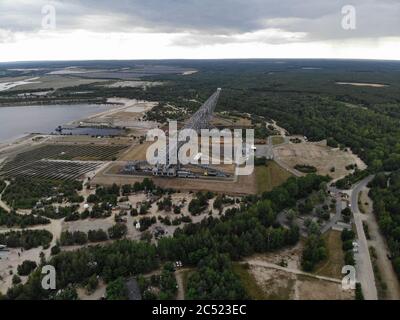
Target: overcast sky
[(165, 29)]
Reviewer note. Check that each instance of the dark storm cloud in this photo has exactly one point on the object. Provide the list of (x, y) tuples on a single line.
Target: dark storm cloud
[(210, 21)]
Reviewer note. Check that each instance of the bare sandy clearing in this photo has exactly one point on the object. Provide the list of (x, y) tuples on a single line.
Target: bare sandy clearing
[(318, 155), (188, 73), (363, 84), (134, 84)]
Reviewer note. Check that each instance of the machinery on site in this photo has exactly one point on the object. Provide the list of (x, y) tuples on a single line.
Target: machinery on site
[(198, 121)]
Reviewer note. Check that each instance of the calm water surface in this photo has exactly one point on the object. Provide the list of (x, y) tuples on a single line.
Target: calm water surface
[(16, 122)]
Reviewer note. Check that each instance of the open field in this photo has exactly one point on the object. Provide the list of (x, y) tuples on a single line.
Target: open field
[(318, 155), (242, 185), (53, 81), (275, 284), (278, 274), (363, 84), (129, 114), (283, 285), (332, 266), (270, 176), (137, 152), (249, 282), (277, 140), (134, 84), (316, 289), (223, 120)]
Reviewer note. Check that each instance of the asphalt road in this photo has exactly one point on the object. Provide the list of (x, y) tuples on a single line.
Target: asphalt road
[(364, 270)]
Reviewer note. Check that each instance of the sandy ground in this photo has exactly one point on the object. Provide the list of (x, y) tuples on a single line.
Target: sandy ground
[(242, 185), (290, 283), (190, 72), (134, 84), (4, 86), (363, 84), (55, 82), (230, 120), (283, 285), (129, 114), (182, 199), (88, 224), (98, 294), (291, 256), (318, 155), (282, 131), (137, 151), (10, 260)]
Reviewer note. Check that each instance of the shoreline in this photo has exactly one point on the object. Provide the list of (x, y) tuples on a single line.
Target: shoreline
[(114, 104), (52, 102)]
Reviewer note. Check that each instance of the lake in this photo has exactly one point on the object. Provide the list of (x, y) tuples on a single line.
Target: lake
[(15, 122)]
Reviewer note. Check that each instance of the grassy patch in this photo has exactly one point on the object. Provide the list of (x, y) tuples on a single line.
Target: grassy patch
[(362, 204), (381, 285), (277, 140), (248, 281), (185, 277), (332, 267), (270, 176), (281, 288)]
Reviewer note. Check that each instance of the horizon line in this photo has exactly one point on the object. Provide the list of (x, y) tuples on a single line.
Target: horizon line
[(197, 59)]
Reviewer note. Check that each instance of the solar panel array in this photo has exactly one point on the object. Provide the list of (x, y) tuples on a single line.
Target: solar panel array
[(60, 161)]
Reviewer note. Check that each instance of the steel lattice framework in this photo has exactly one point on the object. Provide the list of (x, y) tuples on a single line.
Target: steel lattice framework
[(200, 120)]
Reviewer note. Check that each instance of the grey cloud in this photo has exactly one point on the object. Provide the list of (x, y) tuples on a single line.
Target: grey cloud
[(211, 21)]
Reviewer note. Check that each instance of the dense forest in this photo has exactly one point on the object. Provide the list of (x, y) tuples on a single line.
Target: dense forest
[(13, 219), (25, 193), (303, 96), (26, 239), (385, 193)]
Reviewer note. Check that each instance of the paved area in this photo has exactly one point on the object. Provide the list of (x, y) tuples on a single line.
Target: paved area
[(365, 272), (338, 211)]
